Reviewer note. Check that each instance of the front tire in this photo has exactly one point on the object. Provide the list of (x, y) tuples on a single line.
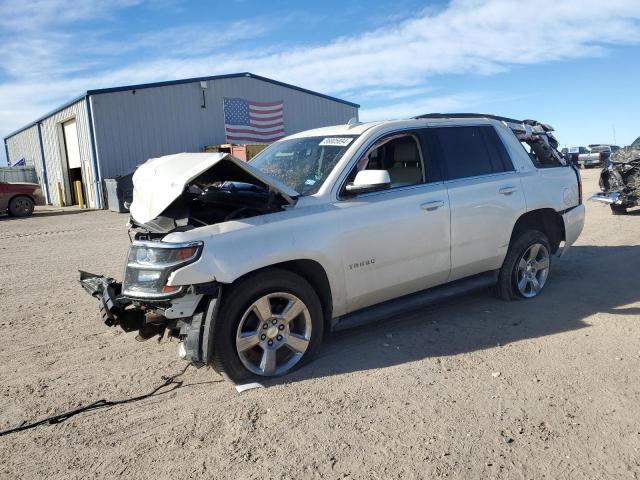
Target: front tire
[(269, 324), (21, 206), (526, 267)]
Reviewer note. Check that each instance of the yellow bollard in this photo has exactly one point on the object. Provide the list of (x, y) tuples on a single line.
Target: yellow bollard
[(79, 197), (60, 195)]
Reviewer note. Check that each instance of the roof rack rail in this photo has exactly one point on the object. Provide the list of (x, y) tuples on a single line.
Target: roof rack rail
[(469, 115)]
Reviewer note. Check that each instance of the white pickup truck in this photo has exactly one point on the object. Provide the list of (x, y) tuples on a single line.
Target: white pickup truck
[(248, 264), (597, 155)]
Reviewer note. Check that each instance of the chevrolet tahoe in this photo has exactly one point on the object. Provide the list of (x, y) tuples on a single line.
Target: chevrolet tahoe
[(248, 264)]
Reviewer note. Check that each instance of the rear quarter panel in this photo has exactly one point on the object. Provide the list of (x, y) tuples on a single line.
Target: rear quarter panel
[(554, 187)]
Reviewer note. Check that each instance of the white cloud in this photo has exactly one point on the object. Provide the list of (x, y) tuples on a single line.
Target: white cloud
[(469, 36), (388, 93), (34, 14), (388, 64)]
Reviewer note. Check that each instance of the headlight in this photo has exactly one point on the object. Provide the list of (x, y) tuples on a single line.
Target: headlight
[(149, 265)]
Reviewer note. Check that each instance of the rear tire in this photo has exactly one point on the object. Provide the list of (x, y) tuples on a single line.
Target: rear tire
[(21, 206), (618, 209), (242, 345), (521, 269)]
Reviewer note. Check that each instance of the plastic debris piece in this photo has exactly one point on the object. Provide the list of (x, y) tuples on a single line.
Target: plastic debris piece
[(248, 386)]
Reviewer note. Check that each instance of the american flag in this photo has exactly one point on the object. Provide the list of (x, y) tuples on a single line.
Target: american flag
[(246, 121)]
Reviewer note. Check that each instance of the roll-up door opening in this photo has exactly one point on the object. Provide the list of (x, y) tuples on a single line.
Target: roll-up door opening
[(72, 150)]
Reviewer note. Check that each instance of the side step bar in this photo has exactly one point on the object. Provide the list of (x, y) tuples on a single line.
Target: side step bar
[(415, 301)]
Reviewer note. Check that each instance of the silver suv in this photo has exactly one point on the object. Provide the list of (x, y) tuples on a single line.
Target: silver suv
[(248, 264)]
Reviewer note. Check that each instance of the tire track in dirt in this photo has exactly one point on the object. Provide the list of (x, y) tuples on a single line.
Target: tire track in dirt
[(49, 233)]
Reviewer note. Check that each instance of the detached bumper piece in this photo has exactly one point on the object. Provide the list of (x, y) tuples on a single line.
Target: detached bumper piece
[(609, 198), (113, 308), (189, 318)]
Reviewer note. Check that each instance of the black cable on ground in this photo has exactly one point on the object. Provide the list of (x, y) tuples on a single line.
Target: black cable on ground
[(168, 381)]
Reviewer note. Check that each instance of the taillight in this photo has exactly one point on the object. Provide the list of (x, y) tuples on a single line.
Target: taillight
[(579, 179), (579, 185)]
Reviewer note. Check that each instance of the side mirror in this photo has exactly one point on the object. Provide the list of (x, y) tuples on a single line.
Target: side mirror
[(369, 181)]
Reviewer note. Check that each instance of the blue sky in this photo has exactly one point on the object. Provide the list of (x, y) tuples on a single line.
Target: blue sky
[(573, 64)]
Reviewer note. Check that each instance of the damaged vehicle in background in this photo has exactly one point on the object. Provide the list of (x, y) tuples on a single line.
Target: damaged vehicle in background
[(247, 264), (620, 180)]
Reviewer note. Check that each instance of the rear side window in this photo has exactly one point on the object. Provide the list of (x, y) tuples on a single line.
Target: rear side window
[(500, 160), (472, 151), (540, 152)]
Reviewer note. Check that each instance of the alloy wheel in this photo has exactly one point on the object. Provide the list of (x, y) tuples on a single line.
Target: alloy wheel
[(532, 270), (273, 334)]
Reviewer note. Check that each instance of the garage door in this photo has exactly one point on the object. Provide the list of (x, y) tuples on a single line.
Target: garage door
[(71, 143)]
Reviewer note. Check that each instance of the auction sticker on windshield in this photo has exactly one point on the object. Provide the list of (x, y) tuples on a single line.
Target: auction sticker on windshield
[(335, 141)]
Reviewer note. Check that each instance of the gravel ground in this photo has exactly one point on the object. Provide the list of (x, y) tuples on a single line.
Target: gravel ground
[(471, 388)]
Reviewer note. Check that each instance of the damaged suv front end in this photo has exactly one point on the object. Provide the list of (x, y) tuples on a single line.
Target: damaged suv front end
[(620, 180), (186, 213), (179, 193), (146, 301)]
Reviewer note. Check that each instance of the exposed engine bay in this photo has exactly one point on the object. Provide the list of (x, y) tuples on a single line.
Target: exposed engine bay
[(186, 191), (623, 174), (620, 180), (205, 203)]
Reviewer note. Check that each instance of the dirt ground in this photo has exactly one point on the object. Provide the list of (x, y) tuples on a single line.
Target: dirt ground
[(471, 388)]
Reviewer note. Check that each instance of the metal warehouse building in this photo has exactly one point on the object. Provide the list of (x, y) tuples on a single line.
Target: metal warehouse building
[(108, 132)]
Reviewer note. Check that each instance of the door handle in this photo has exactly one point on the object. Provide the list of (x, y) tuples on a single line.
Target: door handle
[(430, 206), (507, 190)]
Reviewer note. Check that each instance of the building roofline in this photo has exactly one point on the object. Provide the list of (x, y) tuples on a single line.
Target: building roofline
[(141, 86), (219, 77), (45, 116)]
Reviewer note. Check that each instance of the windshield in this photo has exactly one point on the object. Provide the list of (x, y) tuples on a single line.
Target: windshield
[(302, 164), (600, 148)]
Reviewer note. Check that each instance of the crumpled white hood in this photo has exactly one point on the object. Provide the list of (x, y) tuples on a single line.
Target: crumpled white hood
[(159, 181)]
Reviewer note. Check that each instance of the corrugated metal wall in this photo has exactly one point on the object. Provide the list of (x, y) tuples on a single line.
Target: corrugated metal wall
[(26, 145), (54, 155), (133, 126)]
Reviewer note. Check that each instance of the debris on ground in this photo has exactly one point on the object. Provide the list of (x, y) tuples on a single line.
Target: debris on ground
[(248, 386)]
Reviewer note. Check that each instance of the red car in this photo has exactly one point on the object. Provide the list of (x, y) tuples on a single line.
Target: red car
[(18, 199)]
